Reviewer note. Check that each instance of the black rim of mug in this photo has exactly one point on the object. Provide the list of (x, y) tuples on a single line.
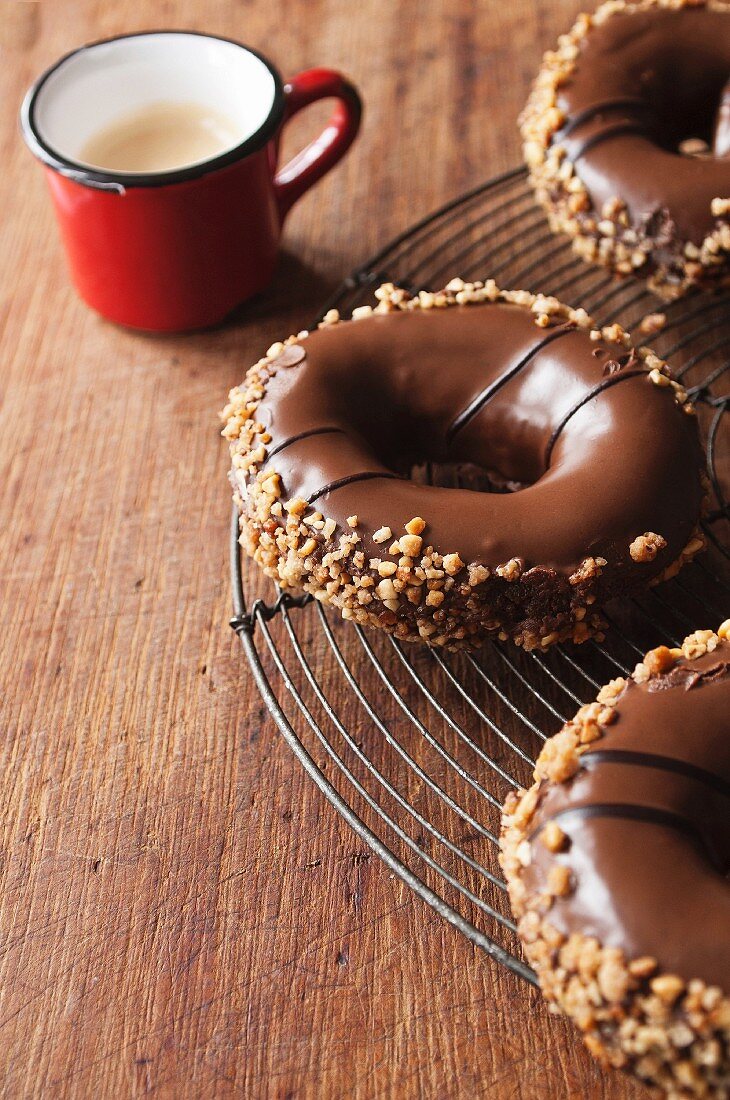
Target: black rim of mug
[(122, 181)]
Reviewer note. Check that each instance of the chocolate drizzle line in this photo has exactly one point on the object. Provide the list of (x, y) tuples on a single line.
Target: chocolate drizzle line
[(330, 488), (588, 113), (617, 129), (475, 406), (301, 435), (662, 763), (627, 812), (612, 380)]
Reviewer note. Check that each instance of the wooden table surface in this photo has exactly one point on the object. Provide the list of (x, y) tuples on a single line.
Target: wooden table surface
[(181, 913)]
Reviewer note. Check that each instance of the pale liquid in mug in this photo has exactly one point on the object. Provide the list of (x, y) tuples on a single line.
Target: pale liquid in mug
[(160, 137)]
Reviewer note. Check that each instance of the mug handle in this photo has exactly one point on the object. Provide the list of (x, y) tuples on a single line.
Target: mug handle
[(324, 151)]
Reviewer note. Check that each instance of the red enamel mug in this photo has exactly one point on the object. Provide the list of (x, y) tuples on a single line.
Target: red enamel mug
[(178, 249)]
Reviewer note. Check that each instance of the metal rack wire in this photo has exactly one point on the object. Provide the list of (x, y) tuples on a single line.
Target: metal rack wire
[(415, 748)]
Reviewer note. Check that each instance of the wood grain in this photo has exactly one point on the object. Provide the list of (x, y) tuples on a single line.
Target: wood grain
[(180, 911)]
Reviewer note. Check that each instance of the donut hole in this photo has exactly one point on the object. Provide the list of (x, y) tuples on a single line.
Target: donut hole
[(426, 462), (464, 475), (692, 138), (417, 448), (684, 112)]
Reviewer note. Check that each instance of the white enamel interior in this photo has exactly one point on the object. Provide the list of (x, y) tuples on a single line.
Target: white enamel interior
[(107, 81)]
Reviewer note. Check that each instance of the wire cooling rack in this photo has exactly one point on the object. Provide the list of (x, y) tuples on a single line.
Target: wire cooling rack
[(417, 748)]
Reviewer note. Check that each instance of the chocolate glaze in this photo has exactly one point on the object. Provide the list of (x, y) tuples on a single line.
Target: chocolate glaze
[(647, 817), (642, 83), (626, 459), (477, 404)]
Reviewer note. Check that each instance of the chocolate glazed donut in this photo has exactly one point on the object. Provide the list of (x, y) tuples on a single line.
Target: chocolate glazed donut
[(593, 433), (617, 863), (627, 137)]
